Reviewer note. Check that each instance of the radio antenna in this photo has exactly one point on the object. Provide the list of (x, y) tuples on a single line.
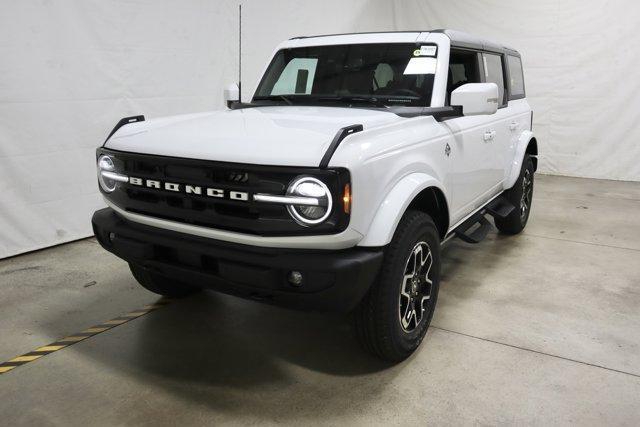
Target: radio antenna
[(240, 53)]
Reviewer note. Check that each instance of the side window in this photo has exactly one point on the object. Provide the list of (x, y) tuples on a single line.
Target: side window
[(516, 83), (493, 73), (463, 69), (296, 78)]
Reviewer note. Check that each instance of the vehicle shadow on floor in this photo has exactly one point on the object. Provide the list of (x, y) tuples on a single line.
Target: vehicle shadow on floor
[(244, 357), (465, 266), (233, 355)]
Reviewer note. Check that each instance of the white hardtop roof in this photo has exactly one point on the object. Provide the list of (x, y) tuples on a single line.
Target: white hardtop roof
[(458, 38)]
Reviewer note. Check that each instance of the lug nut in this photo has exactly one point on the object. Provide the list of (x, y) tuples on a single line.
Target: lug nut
[(295, 278)]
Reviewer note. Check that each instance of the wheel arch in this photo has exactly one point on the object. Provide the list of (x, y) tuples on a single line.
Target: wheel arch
[(527, 144), (532, 150), (432, 201), (416, 191)]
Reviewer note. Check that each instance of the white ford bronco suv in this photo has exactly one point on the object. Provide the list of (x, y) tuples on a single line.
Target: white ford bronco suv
[(334, 188)]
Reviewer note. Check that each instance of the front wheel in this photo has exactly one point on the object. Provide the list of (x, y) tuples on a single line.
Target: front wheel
[(394, 316)]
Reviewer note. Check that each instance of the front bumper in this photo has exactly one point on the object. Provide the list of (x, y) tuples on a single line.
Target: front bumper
[(333, 280)]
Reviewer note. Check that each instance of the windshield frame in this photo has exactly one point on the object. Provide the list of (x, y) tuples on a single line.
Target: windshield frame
[(351, 100)]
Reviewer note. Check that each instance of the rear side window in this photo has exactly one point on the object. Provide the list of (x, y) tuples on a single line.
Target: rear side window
[(516, 78), (493, 73)]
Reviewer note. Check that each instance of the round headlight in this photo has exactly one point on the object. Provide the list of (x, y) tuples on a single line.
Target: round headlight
[(105, 164), (310, 214)]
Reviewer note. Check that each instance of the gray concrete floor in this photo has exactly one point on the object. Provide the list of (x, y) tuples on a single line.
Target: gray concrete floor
[(540, 328)]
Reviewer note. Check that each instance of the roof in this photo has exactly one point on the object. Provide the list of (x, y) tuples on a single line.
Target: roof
[(458, 38), (462, 39)]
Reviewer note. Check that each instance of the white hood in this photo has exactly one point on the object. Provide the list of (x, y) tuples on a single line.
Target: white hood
[(273, 135)]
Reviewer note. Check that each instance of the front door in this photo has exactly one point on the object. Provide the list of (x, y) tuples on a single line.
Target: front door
[(476, 158)]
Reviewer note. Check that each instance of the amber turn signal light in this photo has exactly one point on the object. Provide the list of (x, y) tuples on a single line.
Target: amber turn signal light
[(346, 199)]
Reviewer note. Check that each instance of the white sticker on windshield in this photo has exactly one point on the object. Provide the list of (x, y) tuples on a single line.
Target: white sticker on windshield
[(421, 65), (427, 50)]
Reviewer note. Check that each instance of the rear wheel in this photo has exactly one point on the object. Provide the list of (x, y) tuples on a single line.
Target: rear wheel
[(393, 318), (521, 196), (160, 284)]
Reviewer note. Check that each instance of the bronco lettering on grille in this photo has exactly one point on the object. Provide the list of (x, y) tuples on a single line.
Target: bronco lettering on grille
[(189, 189)]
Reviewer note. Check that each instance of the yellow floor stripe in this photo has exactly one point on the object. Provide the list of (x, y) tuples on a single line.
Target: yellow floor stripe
[(25, 358), (94, 330), (116, 322), (136, 313), (50, 348), (72, 339)]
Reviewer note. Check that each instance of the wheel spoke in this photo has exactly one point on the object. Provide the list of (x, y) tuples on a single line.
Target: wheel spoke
[(409, 314), (412, 265), (406, 283), (426, 274), (418, 313)]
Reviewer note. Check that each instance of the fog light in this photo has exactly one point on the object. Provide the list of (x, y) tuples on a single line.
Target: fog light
[(295, 278), (112, 237)]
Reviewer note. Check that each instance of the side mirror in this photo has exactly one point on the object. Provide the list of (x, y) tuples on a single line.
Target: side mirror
[(476, 98), (231, 94)]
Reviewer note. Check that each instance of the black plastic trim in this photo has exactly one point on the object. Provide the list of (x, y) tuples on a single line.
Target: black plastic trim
[(438, 113), (122, 122), (333, 280), (340, 135)]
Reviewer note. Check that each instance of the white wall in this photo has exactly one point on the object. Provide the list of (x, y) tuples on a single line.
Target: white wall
[(582, 62), (70, 69)]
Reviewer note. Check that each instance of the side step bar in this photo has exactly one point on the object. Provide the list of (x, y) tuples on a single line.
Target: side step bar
[(498, 208)]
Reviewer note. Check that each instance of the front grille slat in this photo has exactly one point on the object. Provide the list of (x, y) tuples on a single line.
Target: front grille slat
[(222, 213)]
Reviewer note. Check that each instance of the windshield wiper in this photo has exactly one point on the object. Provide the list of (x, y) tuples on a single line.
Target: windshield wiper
[(274, 98), (285, 99), (355, 99)]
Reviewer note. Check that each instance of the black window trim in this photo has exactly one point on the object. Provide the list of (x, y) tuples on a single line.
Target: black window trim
[(479, 66), (505, 76)]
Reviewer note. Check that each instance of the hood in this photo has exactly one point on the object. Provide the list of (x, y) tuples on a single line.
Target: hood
[(270, 135)]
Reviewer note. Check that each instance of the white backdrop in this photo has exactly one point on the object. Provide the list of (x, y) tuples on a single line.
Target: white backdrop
[(70, 69), (582, 73)]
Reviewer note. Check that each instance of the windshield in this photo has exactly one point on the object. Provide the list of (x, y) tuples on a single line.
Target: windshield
[(376, 75)]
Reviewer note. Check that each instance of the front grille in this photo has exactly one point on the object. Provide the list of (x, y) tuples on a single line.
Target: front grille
[(221, 213)]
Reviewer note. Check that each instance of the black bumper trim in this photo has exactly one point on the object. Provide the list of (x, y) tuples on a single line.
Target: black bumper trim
[(332, 280)]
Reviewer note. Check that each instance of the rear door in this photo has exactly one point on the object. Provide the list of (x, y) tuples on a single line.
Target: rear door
[(498, 124), (519, 109)]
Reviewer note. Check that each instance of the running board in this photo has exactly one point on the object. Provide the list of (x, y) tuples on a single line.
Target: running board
[(498, 208), (478, 234)]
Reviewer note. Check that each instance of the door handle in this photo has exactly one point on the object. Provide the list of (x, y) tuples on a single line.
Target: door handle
[(489, 135), (513, 126)]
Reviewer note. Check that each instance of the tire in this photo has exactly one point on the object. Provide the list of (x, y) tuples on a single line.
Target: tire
[(381, 318), (521, 196), (160, 284)]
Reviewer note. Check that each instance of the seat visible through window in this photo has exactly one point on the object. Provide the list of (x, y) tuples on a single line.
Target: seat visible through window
[(463, 69)]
